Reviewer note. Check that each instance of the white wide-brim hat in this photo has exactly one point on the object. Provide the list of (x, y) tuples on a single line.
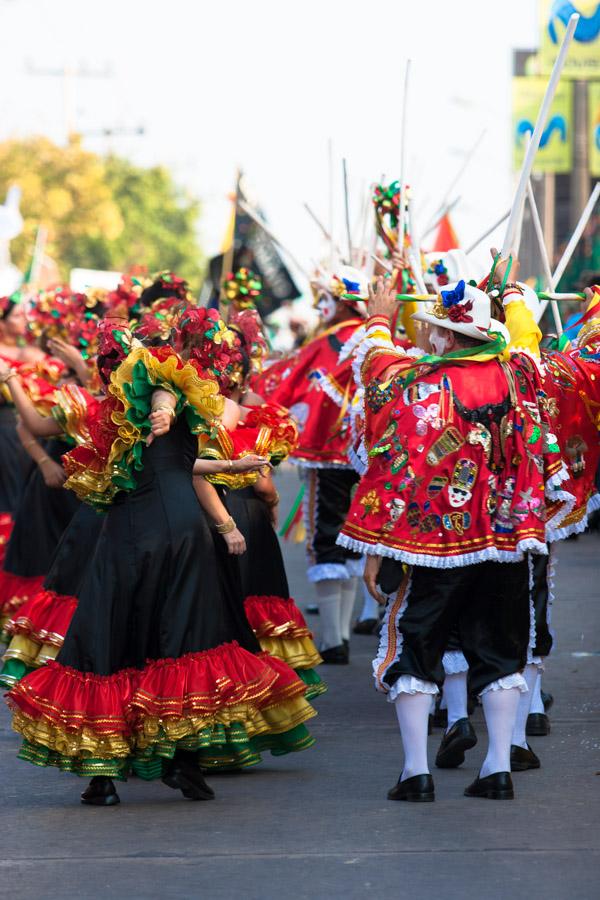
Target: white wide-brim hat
[(473, 320)]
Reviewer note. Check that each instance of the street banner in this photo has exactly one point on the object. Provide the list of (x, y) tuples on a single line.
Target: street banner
[(583, 61), (594, 128), (556, 146)]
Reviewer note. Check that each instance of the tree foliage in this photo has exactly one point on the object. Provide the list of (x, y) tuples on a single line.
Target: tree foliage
[(101, 213)]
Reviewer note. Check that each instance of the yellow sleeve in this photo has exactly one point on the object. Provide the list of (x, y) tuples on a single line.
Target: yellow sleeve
[(523, 330), (407, 322)]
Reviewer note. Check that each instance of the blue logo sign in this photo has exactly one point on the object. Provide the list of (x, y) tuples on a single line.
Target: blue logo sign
[(556, 124), (587, 29)]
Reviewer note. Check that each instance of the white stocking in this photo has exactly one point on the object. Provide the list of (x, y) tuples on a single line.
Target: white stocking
[(500, 710), (455, 695), (518, 736), (413, 718), (370, 608), (347, 606), (329, 593), (537, 704)]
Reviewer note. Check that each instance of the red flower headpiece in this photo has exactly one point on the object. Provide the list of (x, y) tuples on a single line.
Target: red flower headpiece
[(73, 317), (216, 348), (249, 325)]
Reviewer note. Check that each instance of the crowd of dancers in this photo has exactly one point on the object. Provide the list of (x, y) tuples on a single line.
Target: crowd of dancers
[(144, 602)]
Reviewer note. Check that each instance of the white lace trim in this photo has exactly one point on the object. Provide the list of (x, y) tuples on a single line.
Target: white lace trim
[(352, 343), (365, 346), (355, 567), (554, 493), (454, 662), (532, 630), (550, 581), (561, 534), (408, 684), (445, 562), (328, 388), (311, 464), (326, 571), (358, 457), (384, 635), (506, 683)]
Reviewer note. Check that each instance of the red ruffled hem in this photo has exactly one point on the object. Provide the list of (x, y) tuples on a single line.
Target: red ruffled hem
[(197, 684), (275, 617), (44, 618), (15, 590)]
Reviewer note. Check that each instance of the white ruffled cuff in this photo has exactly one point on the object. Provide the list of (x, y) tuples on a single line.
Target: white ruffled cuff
[(506, 683)]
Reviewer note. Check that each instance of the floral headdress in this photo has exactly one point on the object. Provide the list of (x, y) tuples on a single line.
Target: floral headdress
[(248, 323), (242, 288), (216, 349), (73, 317)]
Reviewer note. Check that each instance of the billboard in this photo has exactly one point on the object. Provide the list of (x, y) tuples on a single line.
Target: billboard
[(583, 60), (594, 128), (556, 145)]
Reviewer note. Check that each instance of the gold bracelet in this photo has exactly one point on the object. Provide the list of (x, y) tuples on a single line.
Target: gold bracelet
[(227, 527), (11, 374), (168, 409), (230, 461), (43, 459), (32, 443)]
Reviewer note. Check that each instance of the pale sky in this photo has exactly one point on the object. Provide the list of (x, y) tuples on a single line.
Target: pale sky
[(263, 85)]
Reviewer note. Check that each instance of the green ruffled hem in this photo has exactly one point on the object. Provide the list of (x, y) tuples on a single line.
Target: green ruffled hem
[(12, 672), (218, 748), (315, 686)]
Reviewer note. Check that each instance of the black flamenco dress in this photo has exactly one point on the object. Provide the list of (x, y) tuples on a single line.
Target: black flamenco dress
[(38, 628), (273, 614), (15, 464), (42, 515), (159, 656)]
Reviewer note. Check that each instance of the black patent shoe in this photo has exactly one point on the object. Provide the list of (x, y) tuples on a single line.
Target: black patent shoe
[(335, 656), (547, 700), (188, 779), (366, 626), (523, 758), (459, 738), (100, 792), (498, 786), (538, 725), (418, 789)]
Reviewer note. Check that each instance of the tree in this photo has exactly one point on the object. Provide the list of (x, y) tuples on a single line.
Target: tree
[(101, 213)]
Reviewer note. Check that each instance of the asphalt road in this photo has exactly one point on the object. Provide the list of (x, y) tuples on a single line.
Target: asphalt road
[(318, 824)]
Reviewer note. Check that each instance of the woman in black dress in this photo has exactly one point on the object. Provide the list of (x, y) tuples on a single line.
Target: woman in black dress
[(160, 672)]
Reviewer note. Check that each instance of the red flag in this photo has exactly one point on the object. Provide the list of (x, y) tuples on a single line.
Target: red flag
[(445, 236)]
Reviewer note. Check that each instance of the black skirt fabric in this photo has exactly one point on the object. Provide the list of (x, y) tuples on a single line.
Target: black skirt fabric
[(74, 551), (158, 585), (43, 514), (15, 464), (261, 567)]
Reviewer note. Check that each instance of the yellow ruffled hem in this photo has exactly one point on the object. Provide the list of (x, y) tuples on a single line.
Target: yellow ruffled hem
[(298, 653)]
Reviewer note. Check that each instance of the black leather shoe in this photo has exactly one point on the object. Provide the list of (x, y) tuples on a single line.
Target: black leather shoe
[(312, 609), (188, 779), (100, 792), (547, 700), (538, 725), (498, 786), (523, 758), (459, 738), (366, 626), (418, 789), (335, 656)]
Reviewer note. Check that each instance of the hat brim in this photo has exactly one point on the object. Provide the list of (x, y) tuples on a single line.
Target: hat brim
[(469, 329)]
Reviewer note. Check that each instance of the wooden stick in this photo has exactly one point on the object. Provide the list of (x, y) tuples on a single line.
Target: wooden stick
[(347, 211), (575, 237), (259, 221), (381, 262), (402, 195), (527, 166), (539, 232), (326, 234), (489, 231)]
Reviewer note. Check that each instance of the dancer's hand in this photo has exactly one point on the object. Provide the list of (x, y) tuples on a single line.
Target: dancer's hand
[(66, 353), (236, 542), (251, 463), (382, 298), (5, 368), (53, 473), (372, 567), (160, 420), (502, 266)]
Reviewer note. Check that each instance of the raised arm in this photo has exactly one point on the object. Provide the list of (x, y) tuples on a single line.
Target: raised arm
[(42, 426)]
